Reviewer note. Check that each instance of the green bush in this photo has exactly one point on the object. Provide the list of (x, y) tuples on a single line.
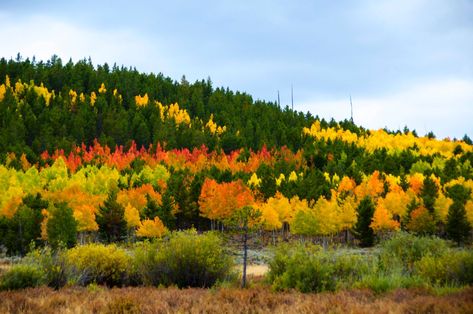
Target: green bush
[(383, 282), (306, 273), (98, 263), (451, 268), (404, 249), (350, 268), (52, 263), (308, 268), (21, 276), (186, 259)]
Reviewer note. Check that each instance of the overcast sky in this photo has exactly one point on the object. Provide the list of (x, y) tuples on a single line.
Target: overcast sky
[(404, 62)]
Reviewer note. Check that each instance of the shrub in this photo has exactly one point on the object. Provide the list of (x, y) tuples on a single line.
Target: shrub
[(186, 259), (404, 249), (350, 268), (306, 273), (52, 263), (453, 267), (383, 282), (98, 263), (21, 276), (308, 268)]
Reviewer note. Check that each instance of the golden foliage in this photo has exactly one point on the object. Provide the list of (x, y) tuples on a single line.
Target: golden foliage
[(382, 220), (142, 101), (269, 216), (441, 206), (213, 127), (85, 216), (292, 176), (93, 98), (151, 228), (393, 143), (132, 216), (254, 181), (3, 91), (102, 89)]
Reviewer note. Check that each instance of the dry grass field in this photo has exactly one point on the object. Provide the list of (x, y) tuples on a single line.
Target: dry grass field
[(228, 300)]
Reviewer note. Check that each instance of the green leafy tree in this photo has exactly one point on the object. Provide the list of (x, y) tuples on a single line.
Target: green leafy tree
[(458, 227), (362, 230), (111, 219), (429, 193), (61, 226), (164, 212)]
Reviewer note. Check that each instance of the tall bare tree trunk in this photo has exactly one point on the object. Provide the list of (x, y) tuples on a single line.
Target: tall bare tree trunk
[(245, 255)]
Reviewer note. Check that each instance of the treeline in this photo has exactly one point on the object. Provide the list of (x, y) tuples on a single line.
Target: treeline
[(33, 125), (51, 105)]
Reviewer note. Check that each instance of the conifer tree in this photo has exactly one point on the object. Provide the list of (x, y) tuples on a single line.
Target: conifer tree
[(429, 193), (111, 219), (363, 231), (163, 212), (458, 227), (61, 226)]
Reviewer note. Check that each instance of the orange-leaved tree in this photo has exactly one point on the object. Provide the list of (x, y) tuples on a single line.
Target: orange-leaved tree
[(234, 204), (218, 201)]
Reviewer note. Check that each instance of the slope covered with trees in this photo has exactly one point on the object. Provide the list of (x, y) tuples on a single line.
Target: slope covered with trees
[(121, 154)]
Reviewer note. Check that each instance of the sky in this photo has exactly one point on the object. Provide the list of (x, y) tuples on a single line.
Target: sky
[(403, 62)]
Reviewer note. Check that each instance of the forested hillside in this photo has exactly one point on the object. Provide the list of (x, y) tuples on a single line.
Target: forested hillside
[(68, 107), (117, 154)]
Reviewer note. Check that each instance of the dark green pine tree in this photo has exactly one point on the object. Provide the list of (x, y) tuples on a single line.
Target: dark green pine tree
[(362, 231), (413, 204), (268, 181), (164, 212), (458, 228), (111, 220), (429, 193), (61, 226)]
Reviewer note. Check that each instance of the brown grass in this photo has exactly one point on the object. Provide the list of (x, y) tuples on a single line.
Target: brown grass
[(228, 300), (4, 265)]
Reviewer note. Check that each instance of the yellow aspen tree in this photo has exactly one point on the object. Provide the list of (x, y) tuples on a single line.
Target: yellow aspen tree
[(151, 228), (382, 220), (132, 216), (441, 206)]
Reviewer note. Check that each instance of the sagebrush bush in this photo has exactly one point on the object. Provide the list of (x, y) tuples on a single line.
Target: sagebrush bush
[(52, 263), (101, 264), (350, 268), (404, 249), (382, 282), (22, 276), (454, 267), (306, 273), (186, 259), (308, 268)]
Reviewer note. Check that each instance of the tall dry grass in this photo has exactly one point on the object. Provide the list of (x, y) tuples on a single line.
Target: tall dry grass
[(228, 300)]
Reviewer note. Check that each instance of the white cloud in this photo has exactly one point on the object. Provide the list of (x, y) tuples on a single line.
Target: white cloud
[(443, 106), (397, 52), (42, 36)]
